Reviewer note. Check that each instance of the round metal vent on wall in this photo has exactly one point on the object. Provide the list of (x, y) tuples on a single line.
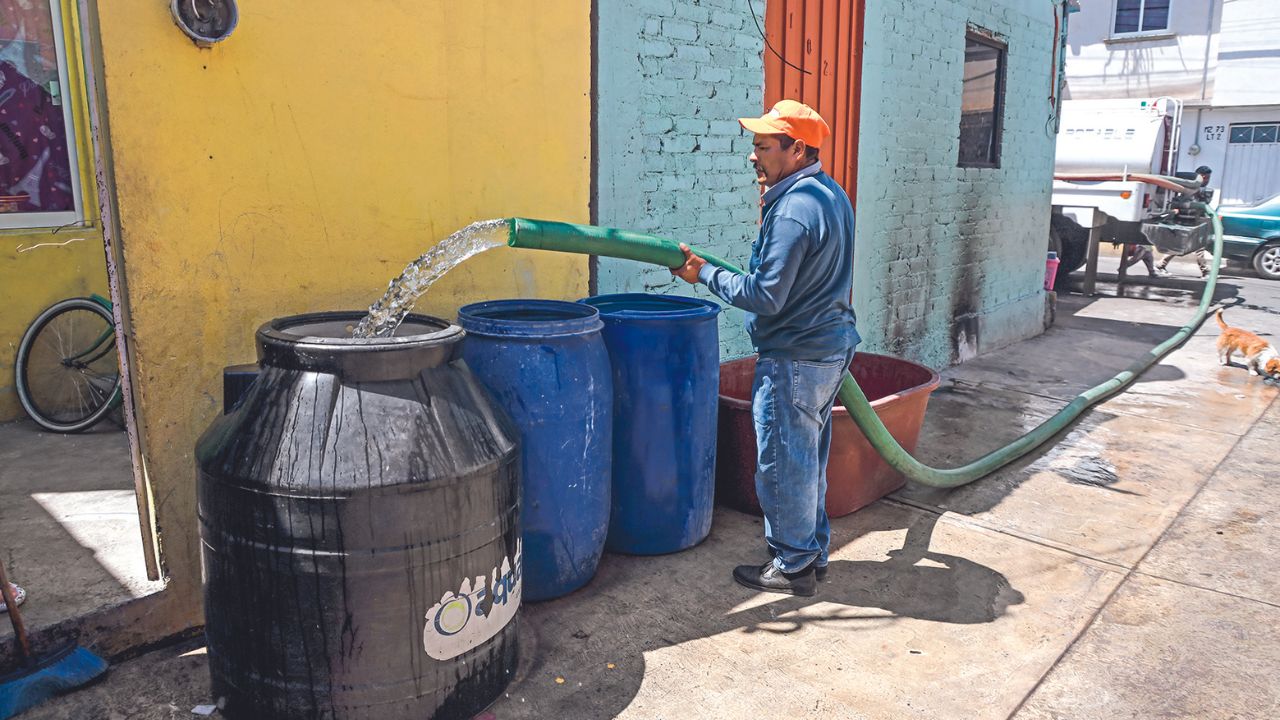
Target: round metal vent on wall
[(205, 21)]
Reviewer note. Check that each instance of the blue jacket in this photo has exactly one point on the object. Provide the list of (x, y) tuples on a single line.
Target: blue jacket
[(797, 294)]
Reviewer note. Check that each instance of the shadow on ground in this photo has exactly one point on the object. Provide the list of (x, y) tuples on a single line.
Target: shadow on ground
[(596, 640), (71, 532)]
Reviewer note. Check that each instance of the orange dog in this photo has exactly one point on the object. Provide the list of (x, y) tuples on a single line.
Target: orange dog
[(1260, 356)]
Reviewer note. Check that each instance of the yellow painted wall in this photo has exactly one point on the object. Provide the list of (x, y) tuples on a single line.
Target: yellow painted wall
[(300, 164), (40, 267)]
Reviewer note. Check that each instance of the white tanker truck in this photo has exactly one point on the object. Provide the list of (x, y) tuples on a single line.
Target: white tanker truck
[(1132, 139)]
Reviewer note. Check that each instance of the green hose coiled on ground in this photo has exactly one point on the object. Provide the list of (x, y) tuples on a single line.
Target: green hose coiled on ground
[(593, 240)]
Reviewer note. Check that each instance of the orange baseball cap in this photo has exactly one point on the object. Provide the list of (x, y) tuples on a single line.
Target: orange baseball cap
[(792, 118)]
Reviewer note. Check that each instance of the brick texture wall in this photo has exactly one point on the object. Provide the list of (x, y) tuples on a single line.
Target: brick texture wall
[(674, 75), (950, 260)]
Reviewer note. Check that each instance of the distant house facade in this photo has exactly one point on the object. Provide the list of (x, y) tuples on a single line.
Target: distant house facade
[(1219, 57)]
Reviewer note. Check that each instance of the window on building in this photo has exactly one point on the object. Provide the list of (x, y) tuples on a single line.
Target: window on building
[(1260, 133), (1140, 16), (982, 101), (39, 180)]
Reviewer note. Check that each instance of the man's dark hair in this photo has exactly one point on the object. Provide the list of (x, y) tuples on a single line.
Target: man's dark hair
[(786, 141)]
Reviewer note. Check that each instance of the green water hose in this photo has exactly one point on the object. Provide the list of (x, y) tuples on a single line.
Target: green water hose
[(609, 242), (593, 240)]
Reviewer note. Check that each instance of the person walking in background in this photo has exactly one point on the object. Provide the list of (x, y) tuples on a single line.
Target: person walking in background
[(1136, 253), (1204, 195)]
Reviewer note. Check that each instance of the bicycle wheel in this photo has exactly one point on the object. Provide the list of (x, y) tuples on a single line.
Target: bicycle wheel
[(67, 372)]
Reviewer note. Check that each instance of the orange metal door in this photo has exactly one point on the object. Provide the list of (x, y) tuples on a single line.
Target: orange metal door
[(814, 55)]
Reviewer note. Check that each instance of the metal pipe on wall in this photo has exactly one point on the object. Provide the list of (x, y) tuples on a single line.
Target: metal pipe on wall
[(1204, 78)]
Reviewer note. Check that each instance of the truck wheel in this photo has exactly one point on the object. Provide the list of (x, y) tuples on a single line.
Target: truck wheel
[(1267, 262), (1072, 241)]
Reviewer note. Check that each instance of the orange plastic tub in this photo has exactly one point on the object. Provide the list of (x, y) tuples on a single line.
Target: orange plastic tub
[(856, 475)]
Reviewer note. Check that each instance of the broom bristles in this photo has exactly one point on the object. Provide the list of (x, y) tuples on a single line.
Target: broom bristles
[(56, 674)]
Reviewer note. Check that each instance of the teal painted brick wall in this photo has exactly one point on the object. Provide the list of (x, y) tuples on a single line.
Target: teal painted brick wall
[(674, 76), (950, 261)]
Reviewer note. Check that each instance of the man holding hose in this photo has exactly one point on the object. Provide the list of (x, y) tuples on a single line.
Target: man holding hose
[(801, 321)]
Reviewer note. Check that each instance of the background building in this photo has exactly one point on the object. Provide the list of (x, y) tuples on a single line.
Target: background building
[(1218, 56)]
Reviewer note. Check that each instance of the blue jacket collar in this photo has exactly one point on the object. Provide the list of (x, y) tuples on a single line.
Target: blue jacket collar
[(789, 181)]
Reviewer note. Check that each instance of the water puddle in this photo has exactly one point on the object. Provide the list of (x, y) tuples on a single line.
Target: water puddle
[(390, 310)]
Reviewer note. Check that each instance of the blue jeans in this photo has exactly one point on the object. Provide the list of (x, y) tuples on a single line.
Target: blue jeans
[(791, 405)]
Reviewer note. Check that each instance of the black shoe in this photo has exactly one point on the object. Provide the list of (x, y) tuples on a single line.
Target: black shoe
[(769, 578)]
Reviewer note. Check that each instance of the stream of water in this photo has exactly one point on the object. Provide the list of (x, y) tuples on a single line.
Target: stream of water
[(390, 310)]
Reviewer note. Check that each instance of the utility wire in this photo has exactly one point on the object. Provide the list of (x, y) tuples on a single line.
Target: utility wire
[(770, 45)]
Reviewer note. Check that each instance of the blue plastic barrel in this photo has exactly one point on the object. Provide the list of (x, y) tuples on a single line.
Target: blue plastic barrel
[(545, 362), (665, 352)]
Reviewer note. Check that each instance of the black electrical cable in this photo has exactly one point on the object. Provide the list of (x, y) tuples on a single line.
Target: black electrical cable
[(768, 44)]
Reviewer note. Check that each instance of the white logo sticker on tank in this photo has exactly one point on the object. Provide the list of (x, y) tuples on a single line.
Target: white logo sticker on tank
[(464, 620)]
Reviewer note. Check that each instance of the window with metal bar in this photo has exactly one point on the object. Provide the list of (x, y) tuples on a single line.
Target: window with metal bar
[(1141, 16), (1254, 133), (982, 101)]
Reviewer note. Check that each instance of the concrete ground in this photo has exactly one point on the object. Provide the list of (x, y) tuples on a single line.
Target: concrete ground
[(70, 534), (1125, 572)]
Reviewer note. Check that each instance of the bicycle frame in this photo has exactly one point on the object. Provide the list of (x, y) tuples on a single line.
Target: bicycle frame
[(99, 347), (105, 343)]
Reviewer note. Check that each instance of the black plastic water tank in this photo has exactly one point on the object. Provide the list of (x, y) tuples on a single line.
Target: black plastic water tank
[(359, 512)]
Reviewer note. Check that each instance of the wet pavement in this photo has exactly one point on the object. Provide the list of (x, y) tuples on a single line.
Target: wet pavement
[(1124, 572)]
